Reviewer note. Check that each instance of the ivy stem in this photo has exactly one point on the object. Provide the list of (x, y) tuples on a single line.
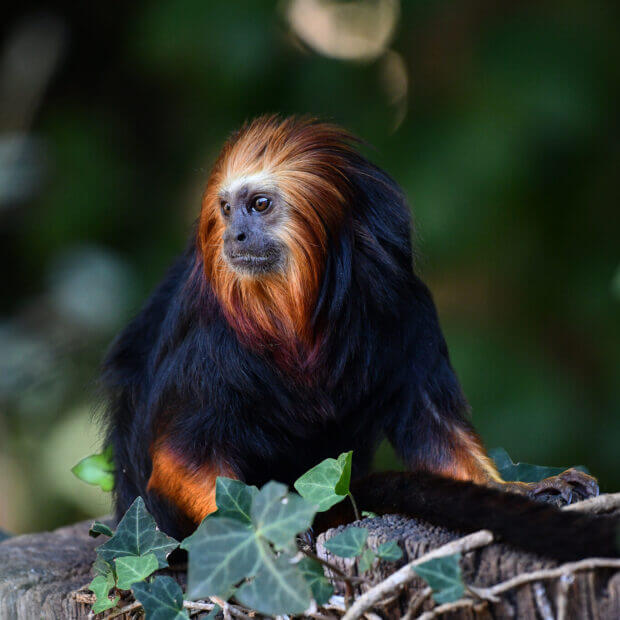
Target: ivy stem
[(355, 510), (348, 579)]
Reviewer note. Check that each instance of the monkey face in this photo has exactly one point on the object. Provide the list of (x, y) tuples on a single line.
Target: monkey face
[(252, 215)]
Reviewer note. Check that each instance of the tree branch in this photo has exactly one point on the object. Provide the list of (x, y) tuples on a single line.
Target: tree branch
[(597, 505), (546, 573)]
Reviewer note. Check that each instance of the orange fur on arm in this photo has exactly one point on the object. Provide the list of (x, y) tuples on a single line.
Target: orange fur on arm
[(468, 459), (191, 489)]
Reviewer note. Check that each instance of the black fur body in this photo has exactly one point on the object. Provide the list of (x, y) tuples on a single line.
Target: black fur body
[(384, 368)]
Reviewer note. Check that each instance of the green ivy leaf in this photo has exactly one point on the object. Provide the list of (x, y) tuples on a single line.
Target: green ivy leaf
[(319, 584), (349, 543), (97, 469), (162, 599), (443, 575), (234, 499), (225, 550), (366, 560), (101, 567), (222, 551), (100, 586), (278, 588), (327, 483), (137, 535), (369, 514), (279, 516), (523, 472), (345, 460), (98, 528), (213, 613), (390, 551), (130, 569)]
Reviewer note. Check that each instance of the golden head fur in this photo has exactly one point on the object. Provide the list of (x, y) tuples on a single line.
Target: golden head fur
[(306, 163)]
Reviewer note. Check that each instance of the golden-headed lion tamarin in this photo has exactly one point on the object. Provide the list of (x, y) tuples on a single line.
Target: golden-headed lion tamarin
[(294, 328)]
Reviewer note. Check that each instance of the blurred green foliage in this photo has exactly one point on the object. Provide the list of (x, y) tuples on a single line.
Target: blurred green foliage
[(499, 121)]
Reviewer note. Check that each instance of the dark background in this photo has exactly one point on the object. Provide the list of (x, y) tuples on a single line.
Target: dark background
[(500, 121)]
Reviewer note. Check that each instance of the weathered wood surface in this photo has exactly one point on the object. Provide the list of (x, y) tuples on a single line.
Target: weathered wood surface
[(40, 572), (593, 594)]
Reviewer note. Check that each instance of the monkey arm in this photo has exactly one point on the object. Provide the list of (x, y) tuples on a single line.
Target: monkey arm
[(430, 431), (451, 448), (443, 444)]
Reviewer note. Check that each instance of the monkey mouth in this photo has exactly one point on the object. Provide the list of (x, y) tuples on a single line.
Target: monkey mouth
[(253, 263)]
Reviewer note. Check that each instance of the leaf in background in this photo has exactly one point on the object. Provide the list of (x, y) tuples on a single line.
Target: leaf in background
[(137, 534), (97, 469), (279, 515), (130, 569), (98, 528), (349, 543), (319, 584), (162, 599), (100, 586), (443, 575), (523, 472), (327, 483), (222, 551), (278, 588), (366, 560), (234, 499)]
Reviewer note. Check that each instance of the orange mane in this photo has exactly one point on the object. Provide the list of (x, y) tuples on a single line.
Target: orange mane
[(307, 161)]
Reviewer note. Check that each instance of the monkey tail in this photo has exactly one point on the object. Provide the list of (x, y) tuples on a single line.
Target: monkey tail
[(463, 506)]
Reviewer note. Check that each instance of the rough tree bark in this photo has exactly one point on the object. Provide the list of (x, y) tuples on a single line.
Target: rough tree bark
[(593, 594), (39, 574)]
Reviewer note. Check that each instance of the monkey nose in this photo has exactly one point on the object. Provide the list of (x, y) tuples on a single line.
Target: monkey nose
[(241, 236)]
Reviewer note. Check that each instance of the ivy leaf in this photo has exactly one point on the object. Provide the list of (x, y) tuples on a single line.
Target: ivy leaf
[(369, 514), (345, 460), (367, 558), (327, 483), (279, 516), (97, 469), (101, 567), (319, 585), (278, 588), (234, 499), (213, 613), (390, 551), (100, 586), (222, 551), (136, 535), (524, 472), (443, 575), (162, 599), (349, 543), (98, 528), (130, 569)]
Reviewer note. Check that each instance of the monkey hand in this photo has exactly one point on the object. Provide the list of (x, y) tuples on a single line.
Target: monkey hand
[(570, 486)]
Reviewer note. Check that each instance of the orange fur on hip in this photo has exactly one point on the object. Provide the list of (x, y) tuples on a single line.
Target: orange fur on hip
[(192, 490)]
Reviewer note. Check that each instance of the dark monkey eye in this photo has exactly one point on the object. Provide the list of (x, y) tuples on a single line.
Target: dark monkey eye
[(260, 203), (225, 207)]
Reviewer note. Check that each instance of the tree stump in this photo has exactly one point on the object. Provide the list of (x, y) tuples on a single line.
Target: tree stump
[(593, 593), (40, 573)]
